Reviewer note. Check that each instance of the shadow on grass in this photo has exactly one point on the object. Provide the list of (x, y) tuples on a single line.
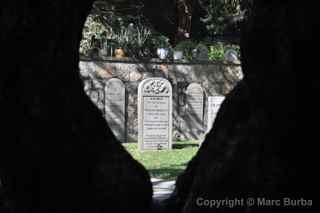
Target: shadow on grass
[(184, 145), (165, 173)]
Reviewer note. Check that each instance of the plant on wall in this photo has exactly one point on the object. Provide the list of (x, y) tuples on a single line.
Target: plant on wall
[(142, 34), (92, 29), (134, 38), (161, 41), (187, 46), (139, 36), (217, 50)]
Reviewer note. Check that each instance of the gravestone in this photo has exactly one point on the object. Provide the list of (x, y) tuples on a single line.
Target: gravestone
[(154, 114), (96, 93), (214, 103), (202, 53), (194, 111), (115, 99)]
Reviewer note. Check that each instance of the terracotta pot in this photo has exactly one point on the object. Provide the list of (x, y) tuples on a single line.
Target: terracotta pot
[(119, 53)]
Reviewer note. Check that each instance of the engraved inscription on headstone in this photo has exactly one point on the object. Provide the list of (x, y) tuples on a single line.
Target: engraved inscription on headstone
[(214, 103), (115, 99), (194, 111), (155, 114)]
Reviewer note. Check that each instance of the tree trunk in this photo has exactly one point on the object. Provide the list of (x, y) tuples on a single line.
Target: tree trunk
[(57, 153), (178, 19), (251, 150)]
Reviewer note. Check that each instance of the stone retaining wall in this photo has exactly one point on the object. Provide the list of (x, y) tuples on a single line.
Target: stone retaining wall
[(215, 79)]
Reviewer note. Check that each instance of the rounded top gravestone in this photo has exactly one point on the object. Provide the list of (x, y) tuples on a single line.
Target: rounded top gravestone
[(202, 52), (214, 103), (155, 114), (115, 99), (194, 114)]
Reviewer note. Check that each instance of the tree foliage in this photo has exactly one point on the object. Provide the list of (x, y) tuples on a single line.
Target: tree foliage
[(112, 19), (113, 24), (93, 29), (222, 16)]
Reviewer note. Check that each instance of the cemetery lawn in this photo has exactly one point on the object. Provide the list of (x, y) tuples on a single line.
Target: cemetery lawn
[(165, 164)]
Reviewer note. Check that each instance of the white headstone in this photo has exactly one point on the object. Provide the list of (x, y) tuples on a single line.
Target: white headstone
[(115, 99), (214, 103), (194, 111), (155, 114)]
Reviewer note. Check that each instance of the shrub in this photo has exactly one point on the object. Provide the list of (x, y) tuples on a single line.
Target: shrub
[(187, 47), (216, 52)]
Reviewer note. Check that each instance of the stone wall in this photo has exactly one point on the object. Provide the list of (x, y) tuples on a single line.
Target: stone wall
[(213, 78)]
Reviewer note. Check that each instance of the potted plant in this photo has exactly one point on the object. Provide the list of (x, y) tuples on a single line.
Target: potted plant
[(163, 47), (178, 52), (162, 53), (231, 56), (121, 39), (138, 39), (187, 46), (216, 51), (119, 52)]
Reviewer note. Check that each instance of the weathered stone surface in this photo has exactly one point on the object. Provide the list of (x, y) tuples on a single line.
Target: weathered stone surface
[(104, 73), (215, 79), (115, 108), (214, 103), (194, 111), (155, 114), (135, 75)]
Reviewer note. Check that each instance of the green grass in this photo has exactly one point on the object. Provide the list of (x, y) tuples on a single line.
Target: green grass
[(165, 164)]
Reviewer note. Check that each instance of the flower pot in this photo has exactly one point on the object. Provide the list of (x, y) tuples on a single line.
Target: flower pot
[(162, 53), (103, 52), (231, 56), (195, 53), (119, 53), (177, 55)]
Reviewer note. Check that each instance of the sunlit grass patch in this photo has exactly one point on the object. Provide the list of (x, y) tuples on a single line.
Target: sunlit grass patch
[(165, 164)]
